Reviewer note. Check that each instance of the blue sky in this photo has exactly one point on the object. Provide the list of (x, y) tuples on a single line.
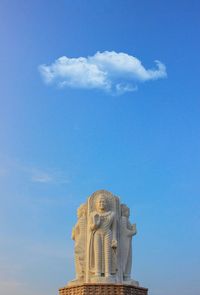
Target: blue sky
[(58, 145)]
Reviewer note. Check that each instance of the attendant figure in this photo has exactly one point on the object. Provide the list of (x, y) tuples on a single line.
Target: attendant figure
[(127, 232), (79, 236)]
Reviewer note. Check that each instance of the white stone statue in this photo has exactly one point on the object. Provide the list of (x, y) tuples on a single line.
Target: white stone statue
[(127, 232), (103, 239), (79, 236), (103, 236)]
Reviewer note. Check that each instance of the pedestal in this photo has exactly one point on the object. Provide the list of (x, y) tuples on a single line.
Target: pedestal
[(103, 289)]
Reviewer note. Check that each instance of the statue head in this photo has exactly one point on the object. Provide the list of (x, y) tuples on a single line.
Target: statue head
[(101, 203), (81, 211), (125, 210)]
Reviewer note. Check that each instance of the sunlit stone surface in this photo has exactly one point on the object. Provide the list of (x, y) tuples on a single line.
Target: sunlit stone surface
[(103, 248), (103, 237)]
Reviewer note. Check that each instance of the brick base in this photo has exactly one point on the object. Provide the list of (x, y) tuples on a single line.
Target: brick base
[(103, 289)]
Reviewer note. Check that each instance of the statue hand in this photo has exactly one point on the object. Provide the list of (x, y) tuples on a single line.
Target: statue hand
[(73, 234), (134, 230), (96, 219), (114, 244), (95, 222)]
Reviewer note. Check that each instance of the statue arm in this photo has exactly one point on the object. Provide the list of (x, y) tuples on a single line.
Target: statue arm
[(114, 231), (94, 222), (134, 229), (73, 233), (131, 229)]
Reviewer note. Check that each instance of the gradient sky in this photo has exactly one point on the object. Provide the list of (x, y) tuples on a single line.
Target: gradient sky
[(57, 146)]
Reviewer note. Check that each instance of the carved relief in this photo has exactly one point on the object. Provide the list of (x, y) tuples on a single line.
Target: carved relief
[(127, 232), (79, 236), (90, 289), (103, 237)]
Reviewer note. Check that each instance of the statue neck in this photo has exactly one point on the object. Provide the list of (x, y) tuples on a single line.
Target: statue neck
[(104, 212)]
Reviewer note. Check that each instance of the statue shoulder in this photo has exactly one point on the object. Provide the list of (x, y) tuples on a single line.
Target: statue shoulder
[(112, 214)]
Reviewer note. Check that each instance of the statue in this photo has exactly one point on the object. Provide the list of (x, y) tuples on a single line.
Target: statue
[(103, 236), (79, 236), (127, 232)]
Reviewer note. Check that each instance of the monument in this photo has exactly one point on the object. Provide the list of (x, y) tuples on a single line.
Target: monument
[(103, 248)]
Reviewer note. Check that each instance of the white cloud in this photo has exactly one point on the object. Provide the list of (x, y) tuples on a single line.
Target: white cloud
[(110, 71), (42, 177), (32, 172), (51, 176)]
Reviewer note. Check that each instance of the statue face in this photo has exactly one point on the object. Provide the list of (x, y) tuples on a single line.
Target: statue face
[(101, 203), (125, 211)]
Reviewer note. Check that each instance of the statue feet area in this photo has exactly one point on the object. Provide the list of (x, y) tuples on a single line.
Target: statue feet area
[(111, 279), (94, 279), (131, 282), (128, 281), (103, 280), (75, 282)]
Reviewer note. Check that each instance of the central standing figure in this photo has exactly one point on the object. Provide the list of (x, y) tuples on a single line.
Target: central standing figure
[(103, 238)]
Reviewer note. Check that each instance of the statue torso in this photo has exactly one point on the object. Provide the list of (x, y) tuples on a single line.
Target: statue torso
[(106, 220)]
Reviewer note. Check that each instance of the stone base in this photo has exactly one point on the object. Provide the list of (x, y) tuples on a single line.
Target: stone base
[(103, 289)]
